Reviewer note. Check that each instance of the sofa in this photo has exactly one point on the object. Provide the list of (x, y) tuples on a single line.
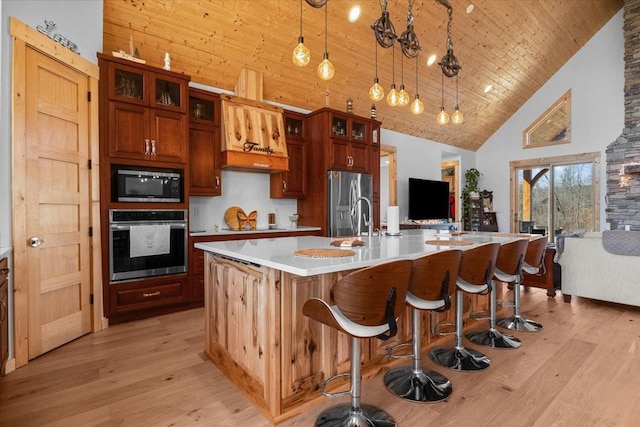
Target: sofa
[(589, 270)]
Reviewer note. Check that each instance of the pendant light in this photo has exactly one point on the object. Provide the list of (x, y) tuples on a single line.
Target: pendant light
[(394, 96), (457, 117), (443, 117), (417, 106), (326, 69), (403, 99), (376, 93), (301, 55)]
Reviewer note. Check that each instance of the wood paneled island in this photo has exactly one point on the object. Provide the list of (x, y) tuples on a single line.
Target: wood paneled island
[(255, 330)]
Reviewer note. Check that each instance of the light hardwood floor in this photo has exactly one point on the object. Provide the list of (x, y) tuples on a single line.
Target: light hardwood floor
[(583, 369)]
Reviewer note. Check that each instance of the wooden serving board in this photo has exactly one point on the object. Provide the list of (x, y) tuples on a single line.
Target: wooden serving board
[(449, 242), (324, 253), (231, 217)]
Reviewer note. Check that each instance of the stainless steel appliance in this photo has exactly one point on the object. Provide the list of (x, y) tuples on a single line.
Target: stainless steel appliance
[(349, 203), (129, 258), (146, 185)]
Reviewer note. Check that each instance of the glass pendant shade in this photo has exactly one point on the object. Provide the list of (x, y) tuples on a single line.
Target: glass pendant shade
[(417, 106), (393, 97), (443, 117), (403, 99), (326, 70), (457, 117), (376, 93), (301, 55)]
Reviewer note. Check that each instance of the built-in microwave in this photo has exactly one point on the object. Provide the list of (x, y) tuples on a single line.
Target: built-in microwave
[(146, 185)]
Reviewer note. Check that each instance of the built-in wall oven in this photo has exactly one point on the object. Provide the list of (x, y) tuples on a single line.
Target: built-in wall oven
[(146, 243)]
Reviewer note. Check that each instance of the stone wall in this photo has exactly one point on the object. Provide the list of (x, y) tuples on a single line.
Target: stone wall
[(623, 189)]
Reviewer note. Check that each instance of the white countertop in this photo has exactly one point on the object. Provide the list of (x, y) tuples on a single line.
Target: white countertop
[(226, 231), (5, 252), (278, 252)]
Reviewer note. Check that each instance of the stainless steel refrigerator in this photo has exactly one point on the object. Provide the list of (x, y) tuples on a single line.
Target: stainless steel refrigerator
[(346, 217)]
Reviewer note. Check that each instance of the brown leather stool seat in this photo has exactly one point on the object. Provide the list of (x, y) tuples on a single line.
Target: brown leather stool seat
[(474, 277), (433, 278), (533, 263), (508, 270), (366, 304)]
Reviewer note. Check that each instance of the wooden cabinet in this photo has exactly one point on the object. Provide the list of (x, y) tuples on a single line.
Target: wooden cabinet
[(292, 184), (204, 143), (338, 141), (545, 278), (4, 314), (146, 113)]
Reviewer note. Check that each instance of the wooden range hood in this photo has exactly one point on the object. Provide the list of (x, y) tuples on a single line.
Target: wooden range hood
[(253, 132)]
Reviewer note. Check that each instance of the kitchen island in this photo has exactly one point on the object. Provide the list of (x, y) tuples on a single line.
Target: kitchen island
[(256, 333)]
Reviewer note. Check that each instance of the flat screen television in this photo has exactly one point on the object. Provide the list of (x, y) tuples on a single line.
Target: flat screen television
[(428, 199)]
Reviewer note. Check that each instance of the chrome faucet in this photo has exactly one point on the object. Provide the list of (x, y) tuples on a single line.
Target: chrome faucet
[(369, 222)]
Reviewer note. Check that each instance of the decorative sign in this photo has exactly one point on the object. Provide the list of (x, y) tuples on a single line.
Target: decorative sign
[(58, 38)]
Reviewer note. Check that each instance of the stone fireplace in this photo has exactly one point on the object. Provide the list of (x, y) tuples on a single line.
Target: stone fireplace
[(623, 155)]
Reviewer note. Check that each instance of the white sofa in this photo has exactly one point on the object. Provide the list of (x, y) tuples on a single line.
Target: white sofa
[(588, 270)]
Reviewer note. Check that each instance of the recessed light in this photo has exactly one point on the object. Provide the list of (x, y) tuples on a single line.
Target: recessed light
[(431, 60), (470, 8), (488, 88), (354, 14)]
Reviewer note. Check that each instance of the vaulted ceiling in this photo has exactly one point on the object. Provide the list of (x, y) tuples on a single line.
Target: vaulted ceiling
[(514, 45)]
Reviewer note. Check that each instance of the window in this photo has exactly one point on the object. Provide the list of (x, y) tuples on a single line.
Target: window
[(552, 127), (551, 195)]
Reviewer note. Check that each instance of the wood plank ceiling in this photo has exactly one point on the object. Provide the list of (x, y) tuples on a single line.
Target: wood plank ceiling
[(515, 45)]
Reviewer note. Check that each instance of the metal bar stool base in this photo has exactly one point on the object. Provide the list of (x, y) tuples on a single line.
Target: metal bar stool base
[(422, 386), (517, 323), (493, 339), (344, 416), (463, 359)]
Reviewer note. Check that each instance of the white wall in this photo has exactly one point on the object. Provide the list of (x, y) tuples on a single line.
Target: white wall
[(80, 22), (595, 75)]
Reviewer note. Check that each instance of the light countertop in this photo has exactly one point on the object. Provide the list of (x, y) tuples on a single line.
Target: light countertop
[(278, 252), (226, 231)]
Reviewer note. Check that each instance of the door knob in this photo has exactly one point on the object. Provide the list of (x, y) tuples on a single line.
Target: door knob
[(35, 241)]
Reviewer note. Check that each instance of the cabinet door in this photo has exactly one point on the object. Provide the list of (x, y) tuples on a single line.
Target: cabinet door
[(340, 158), (168, 140), (128, 131), (295, 180), (128, 84), (203, 154), (4, 324), (169, 93), (360, 158)]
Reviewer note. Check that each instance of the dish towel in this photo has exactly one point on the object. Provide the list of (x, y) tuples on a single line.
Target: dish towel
[(148, 240)]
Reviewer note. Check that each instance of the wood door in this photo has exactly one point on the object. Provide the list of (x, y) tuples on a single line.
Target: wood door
[(168, 136), (57, 202), (296, 177), (360, 158), (340, 157), (128, 131), (204, 154)]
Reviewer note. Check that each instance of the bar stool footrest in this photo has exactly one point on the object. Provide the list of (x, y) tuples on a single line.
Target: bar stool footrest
[(345, 415), (337, 393), (438, 328), (459, 359), (417, 386), (390, 351), (474, 315)]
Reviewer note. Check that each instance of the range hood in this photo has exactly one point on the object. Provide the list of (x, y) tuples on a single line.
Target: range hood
[(252, 131)]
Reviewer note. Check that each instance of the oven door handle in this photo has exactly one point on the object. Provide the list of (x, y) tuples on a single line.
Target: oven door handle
[(128, 227)]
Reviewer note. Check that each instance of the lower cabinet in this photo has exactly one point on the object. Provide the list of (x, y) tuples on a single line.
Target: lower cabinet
[(4, 315)]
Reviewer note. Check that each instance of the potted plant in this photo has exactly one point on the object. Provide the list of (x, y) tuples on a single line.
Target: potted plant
[(470, 190)]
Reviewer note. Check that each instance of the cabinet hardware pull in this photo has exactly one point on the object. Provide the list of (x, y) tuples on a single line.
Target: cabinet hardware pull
[(146, 146), (151, 294), (4, 311), (217, 181), (153, 147), (284, 185)]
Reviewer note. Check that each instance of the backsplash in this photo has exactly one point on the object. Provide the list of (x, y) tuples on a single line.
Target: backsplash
[(250, 191), (623, 155)]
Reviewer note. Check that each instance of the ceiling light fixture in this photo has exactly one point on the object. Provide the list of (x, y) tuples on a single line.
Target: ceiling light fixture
[(431, 60), (404, 96), (326, 69), (457, 117), (409, 40), (469, 8), (376, 93), (383, 28), (449, 63), (354, 13), (301, 55), (417, 106), (488, 88), (393, 98), (443, 117)]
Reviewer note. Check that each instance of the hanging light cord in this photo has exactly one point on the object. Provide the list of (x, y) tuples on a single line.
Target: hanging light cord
[(326, 20), (417, 74), (456, 91), (442, 91), (300, 18)]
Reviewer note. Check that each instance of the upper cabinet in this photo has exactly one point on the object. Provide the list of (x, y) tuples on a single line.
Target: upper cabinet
[(204, 143), (350, 142), (292, 183), (147, 108)]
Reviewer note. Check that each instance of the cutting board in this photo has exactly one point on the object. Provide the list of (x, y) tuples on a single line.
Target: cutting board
[(231, 217)]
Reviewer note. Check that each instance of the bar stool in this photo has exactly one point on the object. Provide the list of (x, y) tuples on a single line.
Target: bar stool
[(533, 263), (366, 305), (474, 277), (432, 280), (509, 270)]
